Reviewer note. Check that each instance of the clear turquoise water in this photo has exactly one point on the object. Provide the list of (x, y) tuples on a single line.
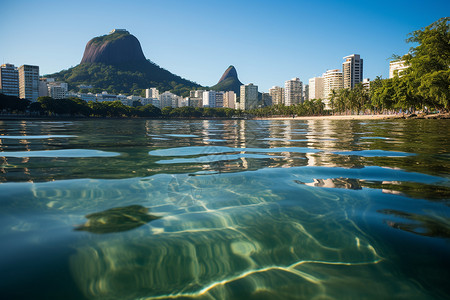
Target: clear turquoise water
[(136, 209)]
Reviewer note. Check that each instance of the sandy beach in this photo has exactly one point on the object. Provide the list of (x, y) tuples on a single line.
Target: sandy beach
[(358, 117)]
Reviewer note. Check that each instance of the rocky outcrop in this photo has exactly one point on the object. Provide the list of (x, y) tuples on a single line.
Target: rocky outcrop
[(113, 49), (116, 63), (229, 81)]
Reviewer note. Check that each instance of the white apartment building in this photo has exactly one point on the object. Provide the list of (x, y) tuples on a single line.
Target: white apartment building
[(396, 67), (249, 96), (9, 80), (293, 92), (352, 70), (209, 99), (332, 80), (57, 90), (366, 83), (277, 94), (168, 99), (316, 88), (229, 99), (29, 82), (152, 93)]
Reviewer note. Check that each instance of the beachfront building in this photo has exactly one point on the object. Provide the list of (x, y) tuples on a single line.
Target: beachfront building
[(352, 70), (316, 88), (293, 92), (396, 68), (277, 94), (29, 82), (9, 80), (332, 81), (209, 99), (229, 99), (248, 97)]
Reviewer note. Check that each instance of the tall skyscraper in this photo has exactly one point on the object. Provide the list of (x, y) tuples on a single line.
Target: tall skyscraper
[(29, 82), (316, 88), (352, 70), (293, 92), (277, 94), (9, 80), (332, 80), (249, 96)]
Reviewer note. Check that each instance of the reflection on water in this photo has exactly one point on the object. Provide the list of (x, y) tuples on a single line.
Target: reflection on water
[(432, 226), (234, 209)]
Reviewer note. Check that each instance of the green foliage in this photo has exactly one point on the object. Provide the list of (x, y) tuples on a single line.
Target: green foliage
[(13, 104), (109, 37), (124, 79), (313, 107), (426, 81)]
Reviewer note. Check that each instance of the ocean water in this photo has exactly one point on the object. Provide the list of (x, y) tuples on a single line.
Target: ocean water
[(225, 209)]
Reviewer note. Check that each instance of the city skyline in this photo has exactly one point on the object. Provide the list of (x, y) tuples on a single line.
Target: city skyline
[(268, 43)]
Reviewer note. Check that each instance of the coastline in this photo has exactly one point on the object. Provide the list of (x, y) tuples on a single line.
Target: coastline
[(328, 117), (360, 117)]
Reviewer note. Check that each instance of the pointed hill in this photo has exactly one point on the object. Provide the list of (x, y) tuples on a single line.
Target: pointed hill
[(229, 81), (116, 63)]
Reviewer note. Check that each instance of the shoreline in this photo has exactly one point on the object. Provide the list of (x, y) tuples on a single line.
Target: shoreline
[(360, 117), (327, 117)]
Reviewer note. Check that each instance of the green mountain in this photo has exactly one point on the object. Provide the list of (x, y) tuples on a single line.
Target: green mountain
[(116, 63), (229, 81)]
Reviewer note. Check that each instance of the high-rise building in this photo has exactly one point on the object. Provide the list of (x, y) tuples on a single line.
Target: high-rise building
[(396, 67), (248, 97), (266, 99), (316, 88), (332, 80), (209, 99), (293, 92), (9, 80), (219, 99), (352, 70), (277, 94), (305, 95), (29, 82), (152, 93), (229, 99)]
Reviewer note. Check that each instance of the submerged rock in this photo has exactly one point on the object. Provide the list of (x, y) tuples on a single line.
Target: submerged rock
[(117, 219)]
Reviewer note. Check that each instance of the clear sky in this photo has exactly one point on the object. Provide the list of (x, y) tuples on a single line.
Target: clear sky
[(268, 42)]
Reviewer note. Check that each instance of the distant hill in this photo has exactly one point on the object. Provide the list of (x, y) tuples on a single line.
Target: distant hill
[(229, 81), (116, 63)]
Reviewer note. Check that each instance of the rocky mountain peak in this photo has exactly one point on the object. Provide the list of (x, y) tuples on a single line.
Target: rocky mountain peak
[(118, 47)]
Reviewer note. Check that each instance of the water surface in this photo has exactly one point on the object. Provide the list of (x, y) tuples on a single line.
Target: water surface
[(159, 209)]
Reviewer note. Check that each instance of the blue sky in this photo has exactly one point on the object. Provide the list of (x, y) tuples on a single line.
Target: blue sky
[(268, 42)]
